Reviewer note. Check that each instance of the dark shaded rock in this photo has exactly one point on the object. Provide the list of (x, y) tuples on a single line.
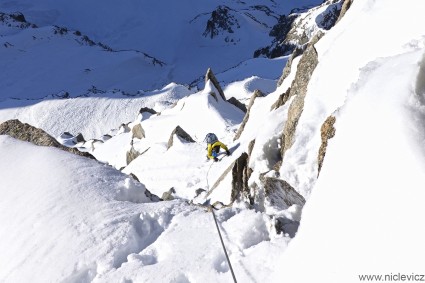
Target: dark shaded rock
[(19, 17), (279, 46), (147, 109), (237, 103), (330, 16), (256, 94), (286, 226), (327, 132), (134, 177), (199, 191), (80, 138), (209, 76), (240, 177), (220, 21), (179, 132), (26, 132)]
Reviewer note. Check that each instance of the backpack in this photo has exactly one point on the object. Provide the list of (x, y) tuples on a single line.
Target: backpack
[(211, 138)]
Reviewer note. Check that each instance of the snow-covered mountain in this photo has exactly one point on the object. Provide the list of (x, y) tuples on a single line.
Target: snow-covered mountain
[(320, 104)]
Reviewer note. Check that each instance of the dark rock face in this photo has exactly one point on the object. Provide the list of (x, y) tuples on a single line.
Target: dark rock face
[(256, 94), (240, 178), (327, 132), (209, 76), (26, 132), (330, 16), (179, 132), (147, 109), (286, 226), (221, 20), (237, 103), (279, 32), (16, 19)]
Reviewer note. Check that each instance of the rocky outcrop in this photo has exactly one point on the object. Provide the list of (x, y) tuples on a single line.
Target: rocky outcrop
[(221, 21), (147, 110), (280, 194), (133, 154), (138, 132), (286, 226), (16, 19), (305, 69), (327, 132), (287, 70), (256, 94), (179, 132), (237, 103), (240, 177), (297, 29), (344, 9), (209, 76), (28, 133), (283, 98), (279, 31), (328, 18)]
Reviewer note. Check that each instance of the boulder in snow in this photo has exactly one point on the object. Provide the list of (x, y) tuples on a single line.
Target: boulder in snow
[(138, 132), (179, 132)]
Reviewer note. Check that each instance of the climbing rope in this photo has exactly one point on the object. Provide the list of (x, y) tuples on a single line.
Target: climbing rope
[(218, 228), (222, 243)]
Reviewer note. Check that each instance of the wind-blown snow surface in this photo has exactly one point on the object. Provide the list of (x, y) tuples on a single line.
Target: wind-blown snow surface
[(71, 219), (66, 218), (365, 212)]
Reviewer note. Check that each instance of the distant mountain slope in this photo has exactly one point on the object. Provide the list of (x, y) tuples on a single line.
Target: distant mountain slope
[(217, 34)]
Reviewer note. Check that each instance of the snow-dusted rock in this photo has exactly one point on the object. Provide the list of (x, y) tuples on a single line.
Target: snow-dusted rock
[(26, 132)]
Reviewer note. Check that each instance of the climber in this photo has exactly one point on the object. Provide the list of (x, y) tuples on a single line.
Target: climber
[(214, 146)]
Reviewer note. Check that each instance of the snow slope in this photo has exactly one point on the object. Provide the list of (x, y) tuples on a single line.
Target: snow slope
[(71, 219), (68, 219), (363, 216)]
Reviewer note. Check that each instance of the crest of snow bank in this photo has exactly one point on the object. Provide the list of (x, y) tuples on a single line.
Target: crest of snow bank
[(54, 203)]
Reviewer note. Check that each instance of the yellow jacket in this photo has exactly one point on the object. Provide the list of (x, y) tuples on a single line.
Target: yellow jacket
[(211, 146)]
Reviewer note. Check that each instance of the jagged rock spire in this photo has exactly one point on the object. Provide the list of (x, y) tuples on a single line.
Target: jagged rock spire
[(210, 77)]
